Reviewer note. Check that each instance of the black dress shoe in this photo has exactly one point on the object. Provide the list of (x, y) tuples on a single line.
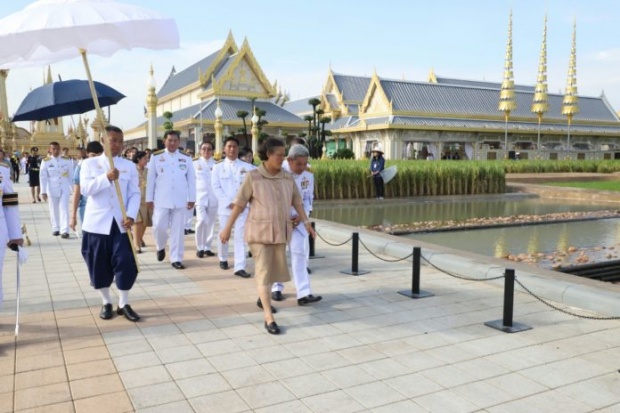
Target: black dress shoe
[(200, 254), (128, 313), (185, 232), (56, 233), (161, 254), (259, 303), (243, 274), (65, 235), (309, 270), (106, 312), (190, 231), (309, 299), (272, 328), (142, 244), (178, 265), (224, 265), (209, 253), (276, 296)]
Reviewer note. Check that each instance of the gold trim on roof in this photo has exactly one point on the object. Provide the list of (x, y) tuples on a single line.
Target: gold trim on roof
[(507, 102)]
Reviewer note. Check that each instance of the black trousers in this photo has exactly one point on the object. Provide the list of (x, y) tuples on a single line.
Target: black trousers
[(378, 181)]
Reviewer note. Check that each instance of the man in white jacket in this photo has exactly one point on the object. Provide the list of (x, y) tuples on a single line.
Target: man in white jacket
[(56, 177), (105, 243), (228, 175), (206, 201), (170, 192)]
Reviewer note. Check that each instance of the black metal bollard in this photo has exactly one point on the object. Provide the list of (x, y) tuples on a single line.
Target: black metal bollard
[(506, 324), (312, 254), (354, 257), (415, 278)]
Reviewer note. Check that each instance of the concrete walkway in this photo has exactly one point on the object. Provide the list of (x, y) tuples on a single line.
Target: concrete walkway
[(201, 346)]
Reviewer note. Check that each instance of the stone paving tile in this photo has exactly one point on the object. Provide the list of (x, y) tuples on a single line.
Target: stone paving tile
[(110, 403), (248, 376), (42, 396), (176, 407), (228, 401), (155, 395), (294, 406), (190, 368), (95, 386), (348, 376), (598, 392), (37, 378), (202, 385), (446, 401), (145, 377), (265, 394), (288, 368), (90, 369), (309, 385), (336, 401), (404, 406)]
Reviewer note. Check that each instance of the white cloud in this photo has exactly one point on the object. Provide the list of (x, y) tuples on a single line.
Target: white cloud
[(609, 55)]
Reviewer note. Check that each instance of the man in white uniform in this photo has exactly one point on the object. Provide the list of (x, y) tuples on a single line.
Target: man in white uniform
[(299, 244), (226, 181), (56, 174), (10, 227), (206, 201), (105, 244), (170, 192)]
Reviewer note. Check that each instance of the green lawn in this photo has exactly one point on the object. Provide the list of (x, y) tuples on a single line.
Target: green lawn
[(600, 185)]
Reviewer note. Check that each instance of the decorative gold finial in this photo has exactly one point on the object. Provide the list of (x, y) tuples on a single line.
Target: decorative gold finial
[(507, 102), (540, 103), (570, 105)]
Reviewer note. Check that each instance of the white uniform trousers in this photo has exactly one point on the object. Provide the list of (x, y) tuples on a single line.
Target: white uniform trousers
[(2, 254), (59, 212), (237, 235), (205, 224), (173, 219), (189, 219), (299, 248)]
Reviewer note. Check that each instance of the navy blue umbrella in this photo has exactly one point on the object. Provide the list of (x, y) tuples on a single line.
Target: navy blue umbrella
[(67, 97)]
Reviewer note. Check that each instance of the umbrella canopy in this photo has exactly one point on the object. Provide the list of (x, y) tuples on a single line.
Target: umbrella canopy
[(389, 173), (49, 31), (67, 97)]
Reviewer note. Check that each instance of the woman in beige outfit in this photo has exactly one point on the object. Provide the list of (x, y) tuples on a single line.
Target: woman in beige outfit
[(271, 192)]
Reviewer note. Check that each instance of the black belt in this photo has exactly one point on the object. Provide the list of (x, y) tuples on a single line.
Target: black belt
[(33, 169)]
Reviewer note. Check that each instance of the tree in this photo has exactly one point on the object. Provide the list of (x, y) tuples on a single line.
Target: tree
[(168, 125), (243, 114)]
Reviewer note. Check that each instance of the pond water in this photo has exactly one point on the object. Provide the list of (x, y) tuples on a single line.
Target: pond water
[(491, 242)]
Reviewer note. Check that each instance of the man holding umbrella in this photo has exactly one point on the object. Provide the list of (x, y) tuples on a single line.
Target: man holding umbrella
[(56, 174), (105, 244)]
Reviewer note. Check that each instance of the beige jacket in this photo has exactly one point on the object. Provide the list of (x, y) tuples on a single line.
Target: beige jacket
[(271, 198)]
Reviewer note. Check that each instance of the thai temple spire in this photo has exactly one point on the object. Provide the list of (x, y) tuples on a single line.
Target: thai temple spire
[(570, 105), (540, 103), (507, 102)]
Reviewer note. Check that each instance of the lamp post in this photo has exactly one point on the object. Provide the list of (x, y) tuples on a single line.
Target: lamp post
[(219, 128), (151, 110), (255, 132)]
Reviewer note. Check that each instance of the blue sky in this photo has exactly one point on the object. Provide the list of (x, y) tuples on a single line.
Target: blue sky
[(295, 42)]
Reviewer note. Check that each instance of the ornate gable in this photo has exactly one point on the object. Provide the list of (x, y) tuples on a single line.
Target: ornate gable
[(229, 48), (243, 77), (376, 101)]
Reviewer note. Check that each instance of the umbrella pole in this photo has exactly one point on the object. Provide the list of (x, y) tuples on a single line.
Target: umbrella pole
[(108, 153)]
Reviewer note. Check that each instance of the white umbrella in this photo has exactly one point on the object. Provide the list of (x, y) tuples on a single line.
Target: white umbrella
[(49, 31), (389, 173)]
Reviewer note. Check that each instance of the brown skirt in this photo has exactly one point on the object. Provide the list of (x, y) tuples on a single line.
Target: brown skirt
[(145, 216), (270, 263)]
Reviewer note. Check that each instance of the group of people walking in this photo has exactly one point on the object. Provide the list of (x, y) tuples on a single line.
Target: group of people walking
[(264, 207)]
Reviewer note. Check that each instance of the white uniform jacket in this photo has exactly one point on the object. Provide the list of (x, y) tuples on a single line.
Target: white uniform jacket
[(170, 181), (305, 184), (10, 227), (56, 175), (203, 169), (226, 180), (103, 204)]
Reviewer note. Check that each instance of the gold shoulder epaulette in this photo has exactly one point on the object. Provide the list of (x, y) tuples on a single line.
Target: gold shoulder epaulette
[(196, 157), (5, 163), (47, 158), (159, 152), (65, 157), (9, 199)]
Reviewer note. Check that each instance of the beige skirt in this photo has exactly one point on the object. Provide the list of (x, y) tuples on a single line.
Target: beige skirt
[(145, 216), (270, 263)]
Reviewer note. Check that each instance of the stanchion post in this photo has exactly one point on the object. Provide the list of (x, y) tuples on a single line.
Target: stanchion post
[(415, 278), (354, 257), (506, 324), (312, 254)]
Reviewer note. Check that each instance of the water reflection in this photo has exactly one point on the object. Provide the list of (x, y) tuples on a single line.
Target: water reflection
[(498, 242), (387, 214), (539, 238)]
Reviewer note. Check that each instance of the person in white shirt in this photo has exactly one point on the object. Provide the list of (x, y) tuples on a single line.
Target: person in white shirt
[(299, 247), (170, 192), (10, 227), (56, 177), (106, 248), (206, 201), (227, 177)]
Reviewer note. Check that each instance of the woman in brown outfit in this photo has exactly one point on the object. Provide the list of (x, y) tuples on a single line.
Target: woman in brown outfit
[(271, 192), (144, 218)]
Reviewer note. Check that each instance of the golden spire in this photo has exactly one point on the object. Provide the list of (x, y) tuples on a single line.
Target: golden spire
[(507, 102), (570, 105), (540, 103)]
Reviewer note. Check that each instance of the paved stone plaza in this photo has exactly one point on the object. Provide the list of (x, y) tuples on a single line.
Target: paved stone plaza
[(201, 345)]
